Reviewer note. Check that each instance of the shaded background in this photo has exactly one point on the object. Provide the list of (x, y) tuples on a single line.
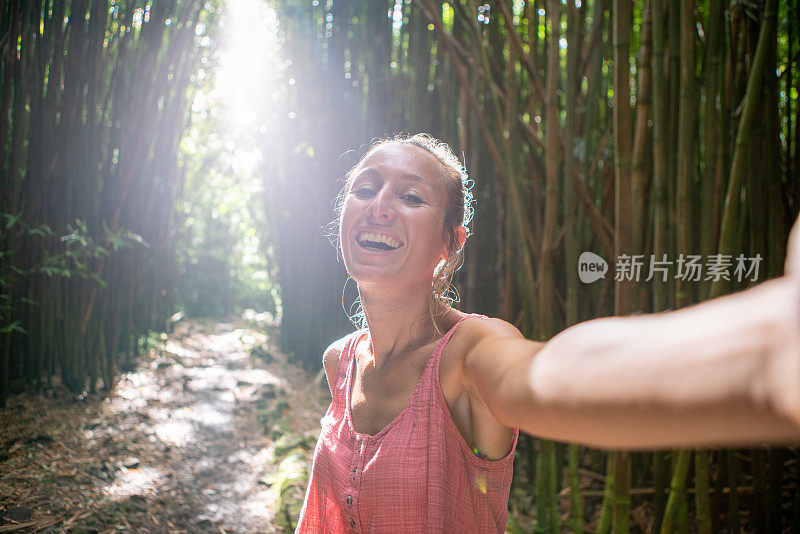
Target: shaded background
[(134, 185)]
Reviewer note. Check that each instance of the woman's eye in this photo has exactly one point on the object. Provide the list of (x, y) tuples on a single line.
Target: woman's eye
[(412, 199), (363, 192)]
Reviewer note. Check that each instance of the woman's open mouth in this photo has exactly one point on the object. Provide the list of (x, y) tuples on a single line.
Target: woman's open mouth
[(375, 242)]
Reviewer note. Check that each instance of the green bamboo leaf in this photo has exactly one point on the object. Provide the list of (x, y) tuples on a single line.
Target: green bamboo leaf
[(29, 301), (100, 251), (136, 238), (11, 220), (97, 278), (13, 327)]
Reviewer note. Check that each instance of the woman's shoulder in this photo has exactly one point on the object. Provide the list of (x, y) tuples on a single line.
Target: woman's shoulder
[(475, 327), (330, 358)]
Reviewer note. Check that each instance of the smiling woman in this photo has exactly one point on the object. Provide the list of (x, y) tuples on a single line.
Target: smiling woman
[(428, 401), (389, 183)]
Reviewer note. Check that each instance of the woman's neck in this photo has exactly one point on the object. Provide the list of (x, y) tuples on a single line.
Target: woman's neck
[(398, 323)]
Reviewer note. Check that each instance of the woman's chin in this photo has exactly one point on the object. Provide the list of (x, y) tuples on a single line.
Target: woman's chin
[(373, 276), (389, 271), (368, 265)]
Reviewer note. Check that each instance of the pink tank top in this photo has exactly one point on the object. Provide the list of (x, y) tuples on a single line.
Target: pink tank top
[(416, 475)]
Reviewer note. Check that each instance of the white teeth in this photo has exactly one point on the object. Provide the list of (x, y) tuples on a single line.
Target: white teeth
[(379, 238)]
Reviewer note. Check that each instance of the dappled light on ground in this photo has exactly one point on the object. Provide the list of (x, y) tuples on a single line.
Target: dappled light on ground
[(130, 482), (207, 435)]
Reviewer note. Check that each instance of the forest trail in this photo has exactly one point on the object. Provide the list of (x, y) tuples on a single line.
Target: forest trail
[(203, 436)]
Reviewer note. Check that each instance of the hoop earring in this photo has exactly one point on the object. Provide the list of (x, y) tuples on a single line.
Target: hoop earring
[(355, 313)]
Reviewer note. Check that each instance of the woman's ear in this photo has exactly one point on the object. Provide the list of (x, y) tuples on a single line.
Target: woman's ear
[(460, 239), (461, 236)]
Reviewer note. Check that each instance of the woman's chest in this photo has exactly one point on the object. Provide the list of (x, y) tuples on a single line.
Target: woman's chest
[(379, 397)]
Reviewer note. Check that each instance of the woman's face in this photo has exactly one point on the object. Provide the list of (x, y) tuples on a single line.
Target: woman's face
[(392, 223)]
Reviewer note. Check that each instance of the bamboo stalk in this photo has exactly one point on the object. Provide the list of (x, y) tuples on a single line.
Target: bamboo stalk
[(513, 194), (703, 492), (775, 495), (552, 173), (624, 294), (677, 491), (796, 494), (541, 487), (641, 151), (526, 58), (734, 476), (730, 215), (606, 521), (686, 142), (576, 523), (712, 138), (571, 239)]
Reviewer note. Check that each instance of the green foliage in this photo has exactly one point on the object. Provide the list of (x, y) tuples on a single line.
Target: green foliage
[(288, 486), (222, 256), (288, 483), (74, 258), (94, 104), (205, 283), (576, 122), (513, 526), (260, 353), (151, 343), (272, 416), (287, 442)]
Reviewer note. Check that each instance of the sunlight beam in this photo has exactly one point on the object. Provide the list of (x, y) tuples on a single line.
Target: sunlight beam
[(249, 62)]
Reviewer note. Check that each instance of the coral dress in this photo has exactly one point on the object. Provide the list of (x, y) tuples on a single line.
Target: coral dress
[(416, 475)]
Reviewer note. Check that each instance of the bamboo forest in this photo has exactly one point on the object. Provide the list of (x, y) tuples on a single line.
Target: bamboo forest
[(169, 276)]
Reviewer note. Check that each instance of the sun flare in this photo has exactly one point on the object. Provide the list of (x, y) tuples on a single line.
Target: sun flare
[(249, 63)]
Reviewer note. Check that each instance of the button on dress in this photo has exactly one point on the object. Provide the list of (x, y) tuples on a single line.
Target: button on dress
[(416, 475)]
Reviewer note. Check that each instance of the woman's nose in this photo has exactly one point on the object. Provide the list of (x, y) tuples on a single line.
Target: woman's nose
[(382, 205)]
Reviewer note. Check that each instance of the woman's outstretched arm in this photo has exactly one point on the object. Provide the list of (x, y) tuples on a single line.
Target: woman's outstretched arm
[(723, 372)]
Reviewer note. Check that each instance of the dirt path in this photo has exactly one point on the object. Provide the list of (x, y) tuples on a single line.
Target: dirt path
[(203, 436)]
